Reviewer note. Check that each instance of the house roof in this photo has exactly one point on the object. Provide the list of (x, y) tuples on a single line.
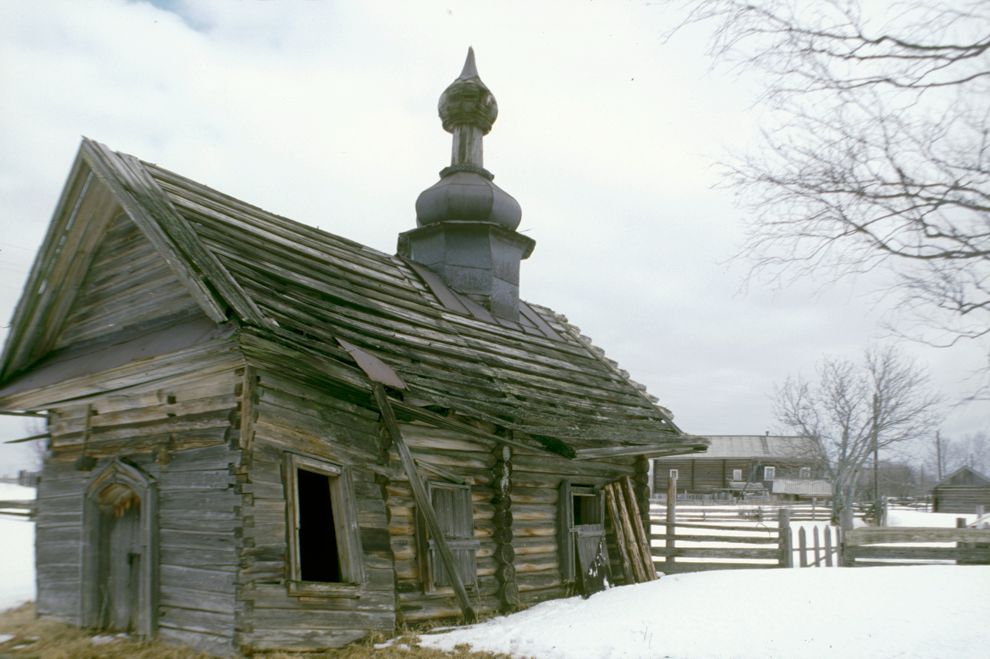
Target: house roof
[(758, 447), (298, 295), (964, 477)]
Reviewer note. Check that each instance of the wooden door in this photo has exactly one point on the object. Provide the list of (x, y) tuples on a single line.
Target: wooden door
[(119, 566)]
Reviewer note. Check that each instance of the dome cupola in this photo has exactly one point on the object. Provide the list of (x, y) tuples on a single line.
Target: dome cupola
[(466, 225)]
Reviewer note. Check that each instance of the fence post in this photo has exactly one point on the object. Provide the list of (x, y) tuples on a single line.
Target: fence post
[(828, 546), (671, 520), (845, 559), (818, 547), (785, 543), (802, 547)]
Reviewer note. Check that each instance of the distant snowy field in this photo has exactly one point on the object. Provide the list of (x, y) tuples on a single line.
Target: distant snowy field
[(16, 550)]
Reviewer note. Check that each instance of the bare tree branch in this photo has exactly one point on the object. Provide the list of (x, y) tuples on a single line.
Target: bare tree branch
[(877, 153)]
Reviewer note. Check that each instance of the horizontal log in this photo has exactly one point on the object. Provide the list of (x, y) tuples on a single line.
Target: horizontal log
[(686, 566), (720, 527), (752, 540), (293, 640), (914, 534), (715, 552), (920, 553)]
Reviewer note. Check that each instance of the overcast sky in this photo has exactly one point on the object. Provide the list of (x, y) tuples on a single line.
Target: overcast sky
[(325, 112)]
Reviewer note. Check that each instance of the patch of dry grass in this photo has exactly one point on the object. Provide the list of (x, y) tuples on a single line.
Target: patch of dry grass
[(33, 637)]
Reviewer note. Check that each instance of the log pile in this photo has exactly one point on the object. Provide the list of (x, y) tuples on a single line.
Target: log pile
[(631, 537)]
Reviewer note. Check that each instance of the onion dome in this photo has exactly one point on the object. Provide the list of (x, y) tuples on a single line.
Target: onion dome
[(465, 192)]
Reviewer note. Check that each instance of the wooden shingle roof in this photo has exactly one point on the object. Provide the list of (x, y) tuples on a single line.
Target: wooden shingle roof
[(295, 292), (964, 477), (760, 447)]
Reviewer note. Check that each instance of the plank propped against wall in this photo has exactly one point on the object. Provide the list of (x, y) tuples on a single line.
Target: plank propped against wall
[(424, 503)]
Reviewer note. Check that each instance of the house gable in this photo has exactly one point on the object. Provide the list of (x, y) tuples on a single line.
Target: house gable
[(128, 285), (117, 255)]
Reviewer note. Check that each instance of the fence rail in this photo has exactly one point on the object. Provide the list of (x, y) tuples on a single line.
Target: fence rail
[(737, 537), (741, 512), (914, 545), (18, 508)]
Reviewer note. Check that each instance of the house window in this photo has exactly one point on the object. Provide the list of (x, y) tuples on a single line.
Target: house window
[(582, 518), (769, 473), (737, 474), (454, 511), (673, 474), (324, 550), (805, 473)]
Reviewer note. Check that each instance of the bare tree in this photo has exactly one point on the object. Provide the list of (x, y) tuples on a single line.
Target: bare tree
[(855, 409), (949, 454), (876, 150)]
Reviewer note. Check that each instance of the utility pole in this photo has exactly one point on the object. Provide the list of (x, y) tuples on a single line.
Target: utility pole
[(876, 459), (938, 456)]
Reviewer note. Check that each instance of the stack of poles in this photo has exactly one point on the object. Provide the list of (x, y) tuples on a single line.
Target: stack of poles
[(631, 537)]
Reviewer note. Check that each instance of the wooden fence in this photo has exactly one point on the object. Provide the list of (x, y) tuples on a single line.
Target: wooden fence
[(694, 538), (914, 546), (803, 512), (18, 508)]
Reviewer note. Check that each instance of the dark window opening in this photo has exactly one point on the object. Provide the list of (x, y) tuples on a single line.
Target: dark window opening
[(586, 509), (319, 558)]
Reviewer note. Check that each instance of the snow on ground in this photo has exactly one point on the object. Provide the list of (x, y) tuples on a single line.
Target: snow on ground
[(900, 517), (917, 612), (17, 550)]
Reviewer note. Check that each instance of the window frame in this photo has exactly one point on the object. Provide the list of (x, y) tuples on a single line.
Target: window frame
[(737, 474), (674, 474), (346, 529), (769, 473), (462, 545), (804, 473)]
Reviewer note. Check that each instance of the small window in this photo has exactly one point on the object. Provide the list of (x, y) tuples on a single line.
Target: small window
[(737, 474), (673, 474), (324, 551), (454, 510), (805, 473), (769, 473)]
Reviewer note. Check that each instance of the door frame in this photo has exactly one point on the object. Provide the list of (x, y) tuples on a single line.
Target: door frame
[(123, 472)]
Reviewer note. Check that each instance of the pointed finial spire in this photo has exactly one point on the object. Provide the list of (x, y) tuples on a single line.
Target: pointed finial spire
[(470, 69), (468, 101)]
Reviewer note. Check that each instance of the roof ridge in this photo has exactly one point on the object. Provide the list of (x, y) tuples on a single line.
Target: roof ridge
[(613, 366)]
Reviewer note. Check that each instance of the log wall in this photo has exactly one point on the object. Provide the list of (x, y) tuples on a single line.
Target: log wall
[(185, 438), (961, 498), (515, 567), (288, 416), (535, 494)]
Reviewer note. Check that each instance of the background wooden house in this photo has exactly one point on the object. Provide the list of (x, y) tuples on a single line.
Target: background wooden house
[(262, 435), (963, 491), (736, 464)]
